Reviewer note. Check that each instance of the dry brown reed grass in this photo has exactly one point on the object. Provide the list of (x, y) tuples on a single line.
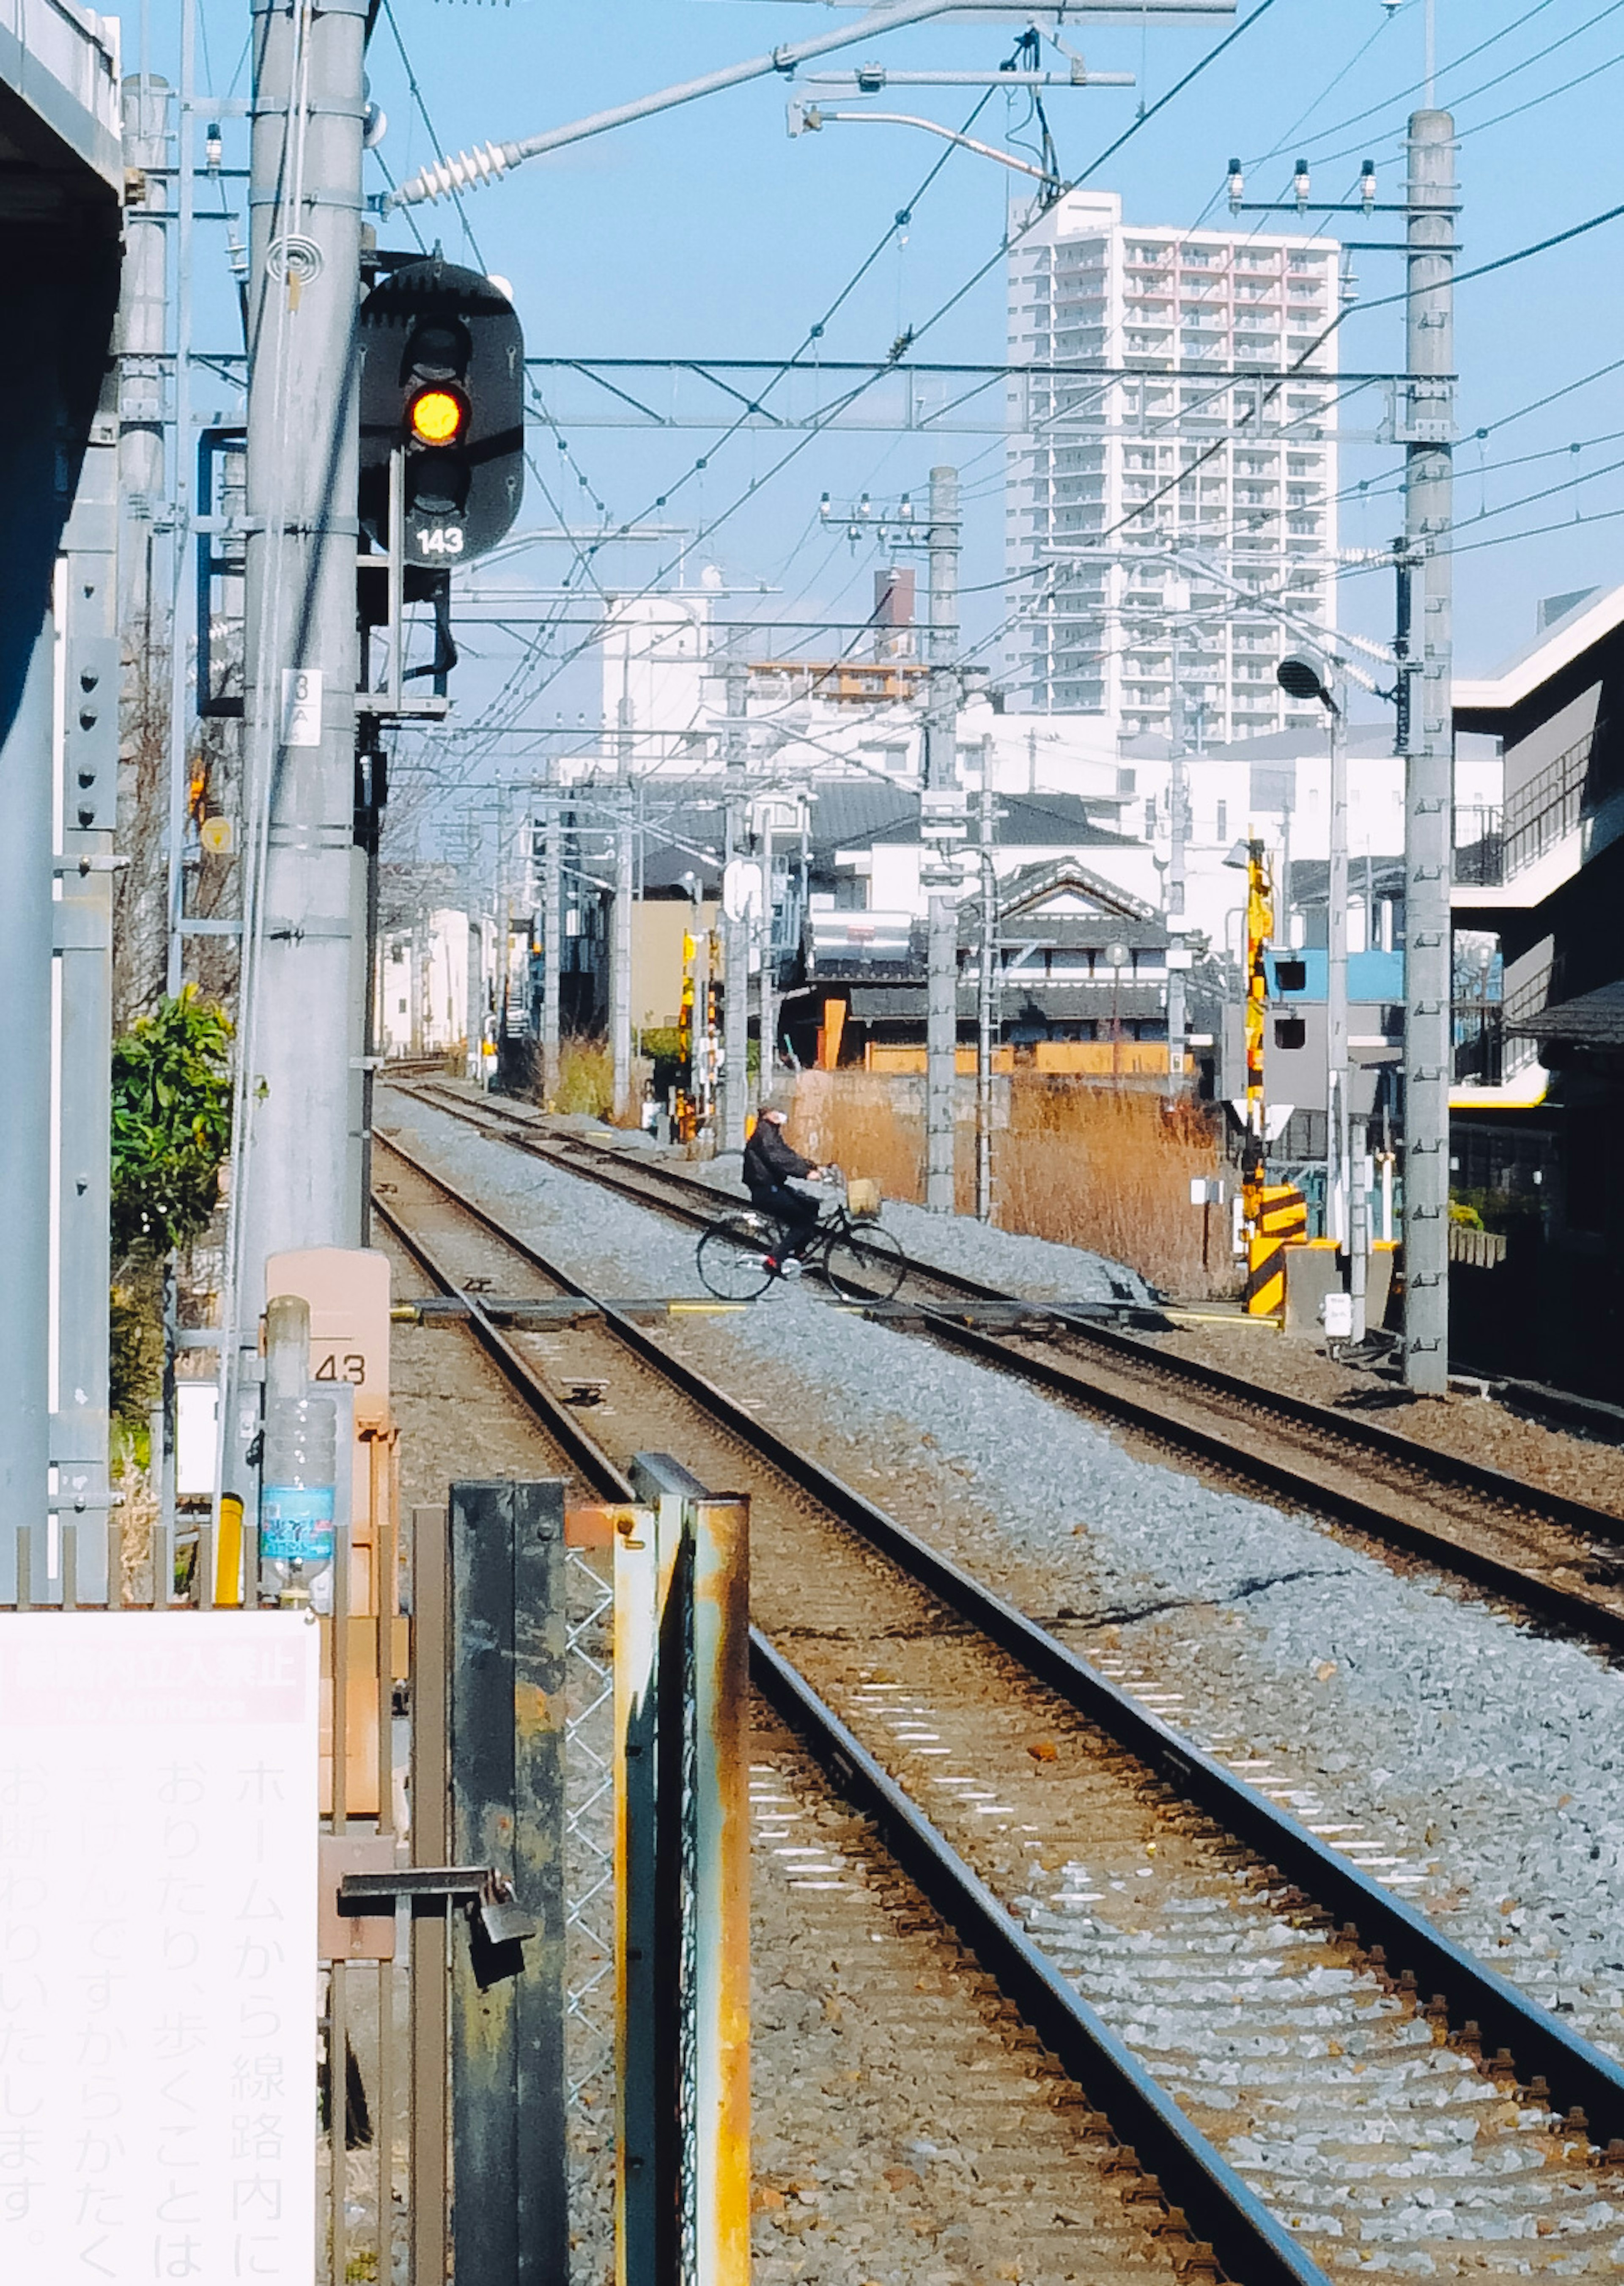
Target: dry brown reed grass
[(860, 1121), (1079, 1162), (587, 1079)]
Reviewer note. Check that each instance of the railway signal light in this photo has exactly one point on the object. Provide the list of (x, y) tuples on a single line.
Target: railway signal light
[(442, 413), (437, 416)]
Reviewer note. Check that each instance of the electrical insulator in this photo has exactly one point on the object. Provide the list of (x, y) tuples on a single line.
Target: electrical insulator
[(1367, 183), (214, 147), (1299, 184), (1237, 186)]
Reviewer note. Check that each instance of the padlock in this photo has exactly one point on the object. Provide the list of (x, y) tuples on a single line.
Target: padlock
[(502, 1918)]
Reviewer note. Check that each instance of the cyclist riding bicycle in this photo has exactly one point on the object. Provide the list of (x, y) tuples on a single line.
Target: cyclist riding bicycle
[(770, 1166)]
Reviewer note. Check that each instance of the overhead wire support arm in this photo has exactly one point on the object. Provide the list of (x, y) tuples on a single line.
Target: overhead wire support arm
[(809, 118), (488, 162), (873, 79)]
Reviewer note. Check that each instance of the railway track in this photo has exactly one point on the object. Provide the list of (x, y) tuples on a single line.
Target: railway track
[(1321, 2081), (923, 2122), (1556, 1558)]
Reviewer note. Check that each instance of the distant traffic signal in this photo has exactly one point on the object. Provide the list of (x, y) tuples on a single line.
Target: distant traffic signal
[(442, 387)]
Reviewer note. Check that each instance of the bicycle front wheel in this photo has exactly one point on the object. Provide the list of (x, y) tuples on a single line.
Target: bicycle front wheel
[(735, 1256), (866, 1266)]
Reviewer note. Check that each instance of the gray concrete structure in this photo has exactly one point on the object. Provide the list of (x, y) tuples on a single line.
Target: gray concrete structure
[(59, 190), (1428, 431)]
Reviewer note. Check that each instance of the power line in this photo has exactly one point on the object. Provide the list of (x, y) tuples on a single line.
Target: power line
[(1140, 508), (1472, 94), (1609, 63), (1415, 87), (1142, 121)]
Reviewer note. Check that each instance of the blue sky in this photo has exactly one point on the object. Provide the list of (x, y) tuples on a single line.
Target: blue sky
[(709, 232)]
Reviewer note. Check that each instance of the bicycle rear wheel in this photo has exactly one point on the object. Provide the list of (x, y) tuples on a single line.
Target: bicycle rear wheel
[(737, 1256), (866, 1266)]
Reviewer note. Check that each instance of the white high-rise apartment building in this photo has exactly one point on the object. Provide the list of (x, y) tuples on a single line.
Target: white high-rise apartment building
[(1178, 339)]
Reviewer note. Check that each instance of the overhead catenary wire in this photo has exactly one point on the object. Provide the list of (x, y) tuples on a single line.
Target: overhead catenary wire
[(1188, 79), (757, 483), (1471, 94), (1403, 94), (814, 333), (1140, 508)]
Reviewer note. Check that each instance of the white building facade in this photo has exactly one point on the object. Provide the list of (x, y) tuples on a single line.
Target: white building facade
[(1168, 490), (422, 985)]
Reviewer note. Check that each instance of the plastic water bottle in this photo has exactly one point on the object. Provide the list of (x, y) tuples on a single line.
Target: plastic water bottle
[(298, 1477)]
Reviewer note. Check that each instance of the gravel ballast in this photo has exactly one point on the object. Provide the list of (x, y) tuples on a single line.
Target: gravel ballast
[(1479, 1762)]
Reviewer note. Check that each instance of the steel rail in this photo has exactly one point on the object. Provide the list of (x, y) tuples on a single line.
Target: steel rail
[(1247, 2241), (1455, 1469), (1249, 2244), (597, 1469), (703, 1204), (1577, 2074), (1546, 1597)]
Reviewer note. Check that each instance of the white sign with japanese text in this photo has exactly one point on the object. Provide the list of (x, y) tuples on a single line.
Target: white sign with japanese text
[(158, 1967), (300, 706)]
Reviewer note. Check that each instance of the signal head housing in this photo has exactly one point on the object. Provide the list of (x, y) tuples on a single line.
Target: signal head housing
[(442, 402)]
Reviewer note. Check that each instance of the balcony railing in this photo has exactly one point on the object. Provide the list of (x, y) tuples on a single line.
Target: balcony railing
[(1486, 1053), (1492, 845), (1480, 848), (1479, 1044)]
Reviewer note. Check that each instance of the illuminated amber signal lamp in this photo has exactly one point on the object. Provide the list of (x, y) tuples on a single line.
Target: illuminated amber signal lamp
[(437, 416)]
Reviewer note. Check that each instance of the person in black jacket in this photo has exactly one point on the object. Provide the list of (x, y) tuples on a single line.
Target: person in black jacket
[(770, 1166)]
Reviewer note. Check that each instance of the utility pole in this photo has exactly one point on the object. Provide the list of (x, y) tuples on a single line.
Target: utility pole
[(182, 623), (621, 942), (1428, 433), (299, 1103), (143, 323), (735, 922), (767, 1017), (986, 1010), (501, 929), (1336, 1223), (552, 943), (473, 1067), (1177, 1014), (1358, 1221), (941, 823)]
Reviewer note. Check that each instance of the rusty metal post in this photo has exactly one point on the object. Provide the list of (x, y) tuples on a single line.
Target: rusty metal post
[(430, 1846), (510, 2219), (657, 2248), (722, 1904), (638, 1602), (383, 1597), (682, 1875), (338, 1974)]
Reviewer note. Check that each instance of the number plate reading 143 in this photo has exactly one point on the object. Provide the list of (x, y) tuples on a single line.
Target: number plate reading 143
[(440, 540)]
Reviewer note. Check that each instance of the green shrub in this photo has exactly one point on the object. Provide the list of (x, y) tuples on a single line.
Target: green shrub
[(172, 1125), (171, 1130)]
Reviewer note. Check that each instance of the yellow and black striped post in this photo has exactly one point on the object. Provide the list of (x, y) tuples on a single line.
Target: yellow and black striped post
[(1280, 1220)]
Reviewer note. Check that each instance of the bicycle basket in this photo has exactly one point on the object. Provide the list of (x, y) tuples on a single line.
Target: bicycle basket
[(863, 1199)]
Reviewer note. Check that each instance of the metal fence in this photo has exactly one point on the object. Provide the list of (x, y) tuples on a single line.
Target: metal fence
[(1479, 1044), (1492, 845), (589, 1911)]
